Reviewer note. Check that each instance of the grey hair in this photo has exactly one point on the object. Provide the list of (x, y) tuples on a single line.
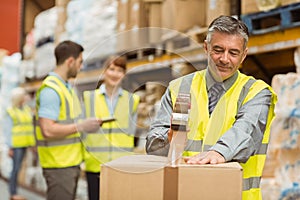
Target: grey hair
[(228, 25)]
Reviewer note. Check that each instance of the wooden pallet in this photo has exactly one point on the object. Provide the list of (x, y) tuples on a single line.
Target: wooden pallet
[(276, 19), (182, 42)]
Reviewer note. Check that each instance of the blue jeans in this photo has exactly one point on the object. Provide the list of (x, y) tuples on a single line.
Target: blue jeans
[(18, 156)]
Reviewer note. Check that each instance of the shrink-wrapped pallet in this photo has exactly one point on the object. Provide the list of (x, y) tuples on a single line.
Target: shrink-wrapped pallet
[(284, 145)]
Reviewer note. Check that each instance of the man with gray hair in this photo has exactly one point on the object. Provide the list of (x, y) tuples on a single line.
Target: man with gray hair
[(230, 114)]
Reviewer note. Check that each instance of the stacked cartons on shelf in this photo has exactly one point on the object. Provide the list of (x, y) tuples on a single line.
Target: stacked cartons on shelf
[(150, 100), (160, 18), (283, 157), (215, 8), (131, 17)]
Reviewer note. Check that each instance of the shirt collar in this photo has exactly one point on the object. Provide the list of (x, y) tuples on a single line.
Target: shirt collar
[(102, 90), (67, 84), (210, 81)]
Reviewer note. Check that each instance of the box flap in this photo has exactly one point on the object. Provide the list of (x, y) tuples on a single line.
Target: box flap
[(222, 165), (138, 163)]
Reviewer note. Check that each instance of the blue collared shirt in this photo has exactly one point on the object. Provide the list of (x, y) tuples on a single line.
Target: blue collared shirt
[(111, 102)]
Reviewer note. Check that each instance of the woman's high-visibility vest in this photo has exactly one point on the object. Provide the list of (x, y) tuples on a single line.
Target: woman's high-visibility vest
[(22, 129), (205, 130), (68, 151), (114, 139)]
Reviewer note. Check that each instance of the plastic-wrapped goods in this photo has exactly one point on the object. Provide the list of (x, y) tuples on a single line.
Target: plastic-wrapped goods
[(27, 70), (270, 189), (5, 162), (285, 137), (100, 28), (45, 24), (288, 177), (286, 126), (29, 46), (44, 60), (92, 24), (10, 77), (77, 10)]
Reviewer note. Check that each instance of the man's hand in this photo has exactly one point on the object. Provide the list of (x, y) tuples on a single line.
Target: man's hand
[(89, 125), (210, 157)]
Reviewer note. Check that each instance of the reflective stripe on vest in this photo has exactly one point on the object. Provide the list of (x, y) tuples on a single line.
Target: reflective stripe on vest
[(22, 129), (200, 137), (66, 152), (114, 139)]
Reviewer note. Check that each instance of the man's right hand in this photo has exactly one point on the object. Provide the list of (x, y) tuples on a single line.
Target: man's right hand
[(89, 125)]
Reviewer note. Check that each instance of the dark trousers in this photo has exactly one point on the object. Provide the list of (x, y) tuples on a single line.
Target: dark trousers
[(61, 182), (18, 156), (93, 182)]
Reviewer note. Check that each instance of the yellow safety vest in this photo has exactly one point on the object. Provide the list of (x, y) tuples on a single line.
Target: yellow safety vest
[(66, 152), (114, 139), (204, 133), (22, 130)]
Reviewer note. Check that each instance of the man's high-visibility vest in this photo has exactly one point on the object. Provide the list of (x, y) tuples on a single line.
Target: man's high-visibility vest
[(204, 133), (68, 151)]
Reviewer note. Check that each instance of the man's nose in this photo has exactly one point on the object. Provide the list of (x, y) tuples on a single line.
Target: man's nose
[(224, 57)]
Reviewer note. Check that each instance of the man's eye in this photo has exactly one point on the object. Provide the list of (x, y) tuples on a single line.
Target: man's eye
[(218, 50), (233, 53)]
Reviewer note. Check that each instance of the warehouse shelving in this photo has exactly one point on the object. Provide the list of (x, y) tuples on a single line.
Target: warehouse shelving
[(275, 42)]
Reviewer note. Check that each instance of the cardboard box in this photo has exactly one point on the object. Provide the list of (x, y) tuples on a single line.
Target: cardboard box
[(155, 22), (215, 8), (249, 6), (137, 14), (152, 178), (123, 15), (182, 15)]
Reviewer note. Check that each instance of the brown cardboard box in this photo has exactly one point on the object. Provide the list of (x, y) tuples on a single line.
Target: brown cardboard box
[(123, 15), (155, 22), (215, 8), (249, 6), (151, 178), (137, 14), (182, 15)]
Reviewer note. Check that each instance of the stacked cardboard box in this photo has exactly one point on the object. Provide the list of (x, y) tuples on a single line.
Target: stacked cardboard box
[(150, 100), (283, 157), (131, 19), (215, 8), (182, 15)]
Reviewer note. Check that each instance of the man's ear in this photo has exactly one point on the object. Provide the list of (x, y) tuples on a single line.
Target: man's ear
[(69, 61), (205, 45)]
